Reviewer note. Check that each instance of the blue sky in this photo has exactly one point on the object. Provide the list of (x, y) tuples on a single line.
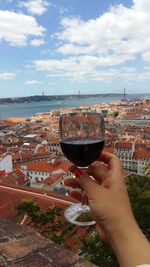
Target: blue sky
[(63, 46)]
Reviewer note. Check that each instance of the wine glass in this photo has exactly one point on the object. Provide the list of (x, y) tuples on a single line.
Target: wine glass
[(81, 141)]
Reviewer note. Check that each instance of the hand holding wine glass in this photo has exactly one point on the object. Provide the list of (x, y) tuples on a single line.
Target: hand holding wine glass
[(107, 194), (81, 140), (111, 209)]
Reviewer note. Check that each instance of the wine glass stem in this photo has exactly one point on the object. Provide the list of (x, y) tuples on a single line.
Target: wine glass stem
[(84, 201)]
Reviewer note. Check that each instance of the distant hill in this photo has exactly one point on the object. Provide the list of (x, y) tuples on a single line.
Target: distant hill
[(39, 98)]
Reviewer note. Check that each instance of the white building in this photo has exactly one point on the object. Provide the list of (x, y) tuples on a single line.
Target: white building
[(142, 157), (133, 159), (40, 170), (54, 146), (6, 163)]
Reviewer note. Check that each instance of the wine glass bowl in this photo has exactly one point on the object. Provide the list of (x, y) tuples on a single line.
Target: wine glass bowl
[(81, 141)]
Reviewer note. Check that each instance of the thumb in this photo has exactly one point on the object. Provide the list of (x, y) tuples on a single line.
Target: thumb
[(87, 183)]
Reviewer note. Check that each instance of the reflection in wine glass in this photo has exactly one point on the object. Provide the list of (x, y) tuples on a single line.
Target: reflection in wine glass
[(81, 140)]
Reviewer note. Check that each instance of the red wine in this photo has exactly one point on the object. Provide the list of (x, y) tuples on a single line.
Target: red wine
[(82, 152)]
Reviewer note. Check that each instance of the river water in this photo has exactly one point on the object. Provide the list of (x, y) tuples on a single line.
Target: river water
[(29, 109)]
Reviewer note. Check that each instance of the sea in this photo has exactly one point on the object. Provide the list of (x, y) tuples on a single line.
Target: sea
[(29, 109)]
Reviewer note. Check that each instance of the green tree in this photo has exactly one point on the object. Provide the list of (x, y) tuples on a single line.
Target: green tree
[(98, 252), (52, 219), (139, 193), (49, 223), (28, 207), (115, 113)]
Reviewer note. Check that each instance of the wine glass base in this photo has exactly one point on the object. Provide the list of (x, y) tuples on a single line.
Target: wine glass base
[(79, 214)]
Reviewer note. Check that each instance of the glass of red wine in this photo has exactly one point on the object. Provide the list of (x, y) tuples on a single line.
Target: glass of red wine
[(82, 140)]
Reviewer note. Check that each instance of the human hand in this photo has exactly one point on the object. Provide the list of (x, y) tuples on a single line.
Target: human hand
[(107, 195)]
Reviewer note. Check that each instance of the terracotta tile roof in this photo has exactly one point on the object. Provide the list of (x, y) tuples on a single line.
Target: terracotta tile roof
[(6, 209), (20, 177), (15, 177), (56, 160), (73, 243), (138, 112), (8, 179), (42, 154), (54, 141), (15, 156), (130, 116), (40, 166), (31, 145), (45, 166), (52, 179), (24, 155), (142, 153), (64, 165), (14, 195), (146, 129), (123, 145)]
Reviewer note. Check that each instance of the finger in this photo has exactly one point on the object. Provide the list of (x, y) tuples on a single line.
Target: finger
[(106, 157), (77, 195), (89, 186), (98, 171), (113, 162), (115, 171), (72, 168), (73, 182)]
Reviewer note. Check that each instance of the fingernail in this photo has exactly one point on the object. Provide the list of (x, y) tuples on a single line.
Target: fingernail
[(78, 173)]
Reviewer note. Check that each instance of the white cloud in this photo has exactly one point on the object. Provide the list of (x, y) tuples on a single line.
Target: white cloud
[(90, 49), (142, 5), (123, 74), (37, 7), (146, 56), (37, 42), (89, 69), (17, 28), (33, 82), (120, 30), (85, 63), (7, 75)]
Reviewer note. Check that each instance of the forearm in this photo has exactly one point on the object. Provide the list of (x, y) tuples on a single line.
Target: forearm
[(130, 246)]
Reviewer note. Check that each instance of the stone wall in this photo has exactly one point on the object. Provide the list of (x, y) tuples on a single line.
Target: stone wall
[(22, 247)]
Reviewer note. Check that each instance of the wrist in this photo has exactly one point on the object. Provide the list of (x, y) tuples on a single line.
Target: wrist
[(121, 229), (129, 244)]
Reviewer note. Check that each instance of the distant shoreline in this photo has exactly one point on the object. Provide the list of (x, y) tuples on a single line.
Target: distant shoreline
[(32, 108), (41, 98)]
